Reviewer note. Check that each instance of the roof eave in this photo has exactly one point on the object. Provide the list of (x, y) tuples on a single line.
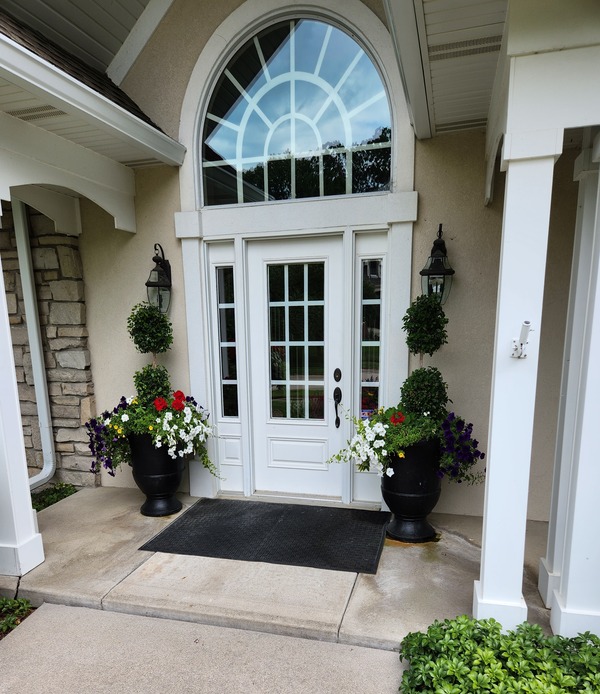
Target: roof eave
[(405, 34), (30, 72)]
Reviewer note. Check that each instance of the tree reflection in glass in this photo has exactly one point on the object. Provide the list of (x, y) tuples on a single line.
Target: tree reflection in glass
[(300, 111)]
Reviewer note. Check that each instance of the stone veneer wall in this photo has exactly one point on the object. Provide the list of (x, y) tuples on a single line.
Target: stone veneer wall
[(61, 307)]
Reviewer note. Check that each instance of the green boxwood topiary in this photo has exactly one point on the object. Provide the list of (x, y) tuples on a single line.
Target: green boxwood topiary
[(425, 325), (150, 330), (152, 382), (425, 391)]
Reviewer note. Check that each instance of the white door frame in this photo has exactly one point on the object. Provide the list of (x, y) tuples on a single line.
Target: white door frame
[(394, 212)]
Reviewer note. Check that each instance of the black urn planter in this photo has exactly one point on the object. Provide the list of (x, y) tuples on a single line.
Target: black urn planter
[(157, 475), (412, 492)]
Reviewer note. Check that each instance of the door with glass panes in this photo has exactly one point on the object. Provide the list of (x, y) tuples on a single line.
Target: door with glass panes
[(296, 335)]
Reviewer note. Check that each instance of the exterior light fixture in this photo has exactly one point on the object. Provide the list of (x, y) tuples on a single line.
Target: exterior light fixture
[(436, 276), (158, 284)]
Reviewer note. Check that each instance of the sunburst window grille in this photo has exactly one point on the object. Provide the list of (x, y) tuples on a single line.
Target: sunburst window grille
[(300, 111)]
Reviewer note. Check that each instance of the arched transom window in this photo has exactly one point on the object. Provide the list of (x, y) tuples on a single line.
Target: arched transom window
[(300, 111)]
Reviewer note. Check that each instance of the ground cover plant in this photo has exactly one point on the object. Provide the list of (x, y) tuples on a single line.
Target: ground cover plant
[(12, 613), (464, 655), (50, 495)]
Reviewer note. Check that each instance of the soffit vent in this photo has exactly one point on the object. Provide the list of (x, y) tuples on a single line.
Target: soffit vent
[(37, 113), (458, 49)]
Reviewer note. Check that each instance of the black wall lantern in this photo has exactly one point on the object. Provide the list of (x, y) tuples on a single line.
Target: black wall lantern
[(436, 276), (158, 285)]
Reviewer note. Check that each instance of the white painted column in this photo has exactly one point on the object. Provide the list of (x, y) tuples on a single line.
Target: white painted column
[(20, 542), (576, 602), (498, 593), (188, 228), (586, 172)]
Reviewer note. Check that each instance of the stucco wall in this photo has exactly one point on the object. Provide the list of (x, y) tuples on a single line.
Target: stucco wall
[(449, 176), (116, 265), (159, 77)]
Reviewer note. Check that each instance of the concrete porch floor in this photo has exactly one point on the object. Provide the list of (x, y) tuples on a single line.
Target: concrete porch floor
[(91, 542)]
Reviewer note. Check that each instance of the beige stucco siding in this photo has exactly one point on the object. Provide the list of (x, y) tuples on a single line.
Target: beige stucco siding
[(449, 179), (159, 77), (116, 265), (449, 176)]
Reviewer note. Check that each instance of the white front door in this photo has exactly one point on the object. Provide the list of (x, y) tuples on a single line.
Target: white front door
[(296, 339)]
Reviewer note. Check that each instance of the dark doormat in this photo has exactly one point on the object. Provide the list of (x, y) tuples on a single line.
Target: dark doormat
[(339, 539)]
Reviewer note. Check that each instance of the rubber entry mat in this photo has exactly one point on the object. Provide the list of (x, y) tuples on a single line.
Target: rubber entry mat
[(339, 539)]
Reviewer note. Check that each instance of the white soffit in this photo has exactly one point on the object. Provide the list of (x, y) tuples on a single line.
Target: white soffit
[(35, 91), (449, 70), (93, 30)]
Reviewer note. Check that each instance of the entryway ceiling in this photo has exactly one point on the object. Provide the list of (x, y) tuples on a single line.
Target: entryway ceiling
[(447, 50)]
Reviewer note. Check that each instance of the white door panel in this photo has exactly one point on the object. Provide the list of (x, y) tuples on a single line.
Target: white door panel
[(296, 333)]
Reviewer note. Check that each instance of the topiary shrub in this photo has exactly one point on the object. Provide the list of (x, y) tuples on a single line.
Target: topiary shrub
[(425, 325), (150, 330), (152, 382), (425, 391)]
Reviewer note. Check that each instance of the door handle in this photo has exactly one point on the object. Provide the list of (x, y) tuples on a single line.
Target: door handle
[(337, 399)]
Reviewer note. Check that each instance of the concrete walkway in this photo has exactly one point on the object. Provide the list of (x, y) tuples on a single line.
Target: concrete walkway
[(107, 594)]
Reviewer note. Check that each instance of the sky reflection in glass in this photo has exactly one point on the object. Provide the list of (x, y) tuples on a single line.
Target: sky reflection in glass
[(301, 90)]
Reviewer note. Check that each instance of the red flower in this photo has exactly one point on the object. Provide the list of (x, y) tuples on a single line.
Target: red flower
[(160, 404), (178, 405), (178, 395), (397, 418)]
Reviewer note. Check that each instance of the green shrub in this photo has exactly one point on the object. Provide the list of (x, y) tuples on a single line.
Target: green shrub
[(12, 613), (464, 655), (150, 330), (425, 391), (50, 495), (152, 382), (425, 325)]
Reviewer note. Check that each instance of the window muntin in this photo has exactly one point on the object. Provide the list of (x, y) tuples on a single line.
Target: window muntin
[(300, 111), (370, 343), (296, 305), (227, 342)]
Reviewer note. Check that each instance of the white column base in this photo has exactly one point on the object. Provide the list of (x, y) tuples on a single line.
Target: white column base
[(17, 561), (570, 622), (508, 614), (548, 582)]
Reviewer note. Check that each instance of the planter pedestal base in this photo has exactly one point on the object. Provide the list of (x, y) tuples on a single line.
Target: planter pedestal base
[(157, 475), (161, 506), (411, 530)]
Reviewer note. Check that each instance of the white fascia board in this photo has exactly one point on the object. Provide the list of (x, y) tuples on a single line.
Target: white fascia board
[(39, 77), (404, 30), (138, 37)]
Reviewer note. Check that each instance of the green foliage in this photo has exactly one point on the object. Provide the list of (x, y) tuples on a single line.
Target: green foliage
[(464, 655), (151, 382), (425, 325), (425, 391), (150, 330), (12, 613), (176, 422), (50, 495)]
